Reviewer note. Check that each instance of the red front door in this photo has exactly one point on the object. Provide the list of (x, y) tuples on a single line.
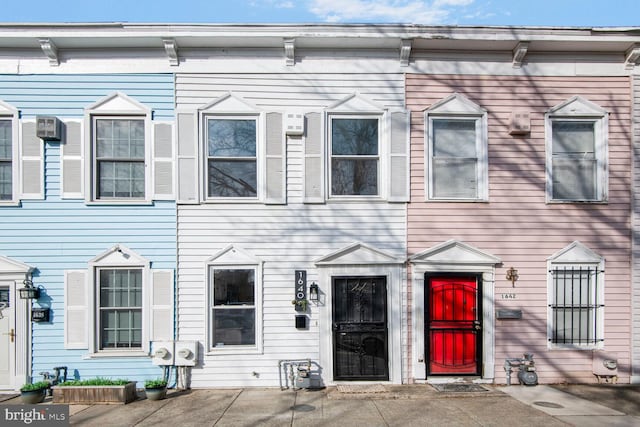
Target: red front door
[(453, 323)]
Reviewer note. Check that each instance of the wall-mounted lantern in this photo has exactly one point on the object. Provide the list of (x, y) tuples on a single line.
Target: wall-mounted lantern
[(314, 292), (512, 275), (29, 291)]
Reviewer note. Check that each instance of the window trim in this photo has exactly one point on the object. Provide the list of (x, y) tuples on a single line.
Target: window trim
[(118, 257), (578, 109), (576, 256), (463, 110), (116, 106), (259, 157), (234, 258), (382, 155), (8, 112)]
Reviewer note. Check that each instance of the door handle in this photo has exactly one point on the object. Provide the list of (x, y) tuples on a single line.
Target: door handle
[(12, 334), (476, 326)]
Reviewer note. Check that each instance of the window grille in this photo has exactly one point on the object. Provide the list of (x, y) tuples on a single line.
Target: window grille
[(576, 306)]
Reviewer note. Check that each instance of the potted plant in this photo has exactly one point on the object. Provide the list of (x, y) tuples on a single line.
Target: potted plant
[(155, 389), (34, 393)]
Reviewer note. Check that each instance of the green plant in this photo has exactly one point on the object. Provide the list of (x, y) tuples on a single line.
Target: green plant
[(94, 381), (40, 385), (157, 383), (303, 303)]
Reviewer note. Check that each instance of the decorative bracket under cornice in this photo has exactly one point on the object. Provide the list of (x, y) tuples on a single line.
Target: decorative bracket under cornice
[(632, 57), (405, 52), (50, 49), (519, 53), (171, 49), (289, 52)]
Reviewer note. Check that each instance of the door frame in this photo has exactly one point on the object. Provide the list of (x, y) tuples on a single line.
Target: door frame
[(359, 259), (479, 310), (458, 258), (14, 273)]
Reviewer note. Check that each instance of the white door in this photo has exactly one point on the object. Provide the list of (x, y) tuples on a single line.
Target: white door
[(7, 337)]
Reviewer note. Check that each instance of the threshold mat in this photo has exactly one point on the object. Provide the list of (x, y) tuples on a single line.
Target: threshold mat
[(361, 388), (459, 388)]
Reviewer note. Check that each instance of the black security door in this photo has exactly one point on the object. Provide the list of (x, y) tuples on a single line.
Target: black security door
[(360, 328)]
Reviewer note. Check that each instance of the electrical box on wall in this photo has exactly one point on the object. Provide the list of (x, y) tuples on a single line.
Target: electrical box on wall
[(186, 353), (294, 124), (162, 353), (48, 128)]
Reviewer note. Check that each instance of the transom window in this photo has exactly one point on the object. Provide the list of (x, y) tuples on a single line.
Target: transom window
[(231, 157), (120, 308), (6, 169), (120, 158), (574, 160), (233, 307), (576, 305), (355, 156)]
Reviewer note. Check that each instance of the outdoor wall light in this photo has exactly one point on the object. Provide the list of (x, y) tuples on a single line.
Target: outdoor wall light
[(29, 291), (512, 275), (314, 292)]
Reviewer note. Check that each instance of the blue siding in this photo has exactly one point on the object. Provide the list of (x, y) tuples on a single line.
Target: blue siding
[(68, 95), (55, 235)]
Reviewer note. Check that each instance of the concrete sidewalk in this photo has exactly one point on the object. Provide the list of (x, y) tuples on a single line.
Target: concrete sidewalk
[(407, 405)]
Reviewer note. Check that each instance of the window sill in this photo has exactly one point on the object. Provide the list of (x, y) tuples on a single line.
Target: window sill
[(108, 354), (10, 204), (457, 200), (577, 202), (232, 350), (119, 203), (569, 347), (233, 200)]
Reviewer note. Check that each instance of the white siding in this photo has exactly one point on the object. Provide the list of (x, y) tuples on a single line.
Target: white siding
[(285, 237)]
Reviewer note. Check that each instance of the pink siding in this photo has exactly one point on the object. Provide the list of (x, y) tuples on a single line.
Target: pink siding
[(517, 225)]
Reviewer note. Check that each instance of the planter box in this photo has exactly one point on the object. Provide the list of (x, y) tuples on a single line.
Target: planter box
[(108, 394)]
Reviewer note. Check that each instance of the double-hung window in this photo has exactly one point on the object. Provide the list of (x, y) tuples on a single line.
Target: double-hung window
[(233, 306), (6, 159), (576, 298), (355, 156), (232, 162), (120, 308), (119, 158), (456, 150), (576, 152)]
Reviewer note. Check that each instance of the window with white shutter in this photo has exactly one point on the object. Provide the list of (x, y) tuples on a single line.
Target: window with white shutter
[(118, 305)]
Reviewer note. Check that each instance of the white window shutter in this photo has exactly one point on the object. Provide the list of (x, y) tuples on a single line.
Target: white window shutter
[(162, 153), (31, 163), (314, 160), (162, 305), (399, 157), (71, 153), (276, 192), (76, 310), (187, 158)]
